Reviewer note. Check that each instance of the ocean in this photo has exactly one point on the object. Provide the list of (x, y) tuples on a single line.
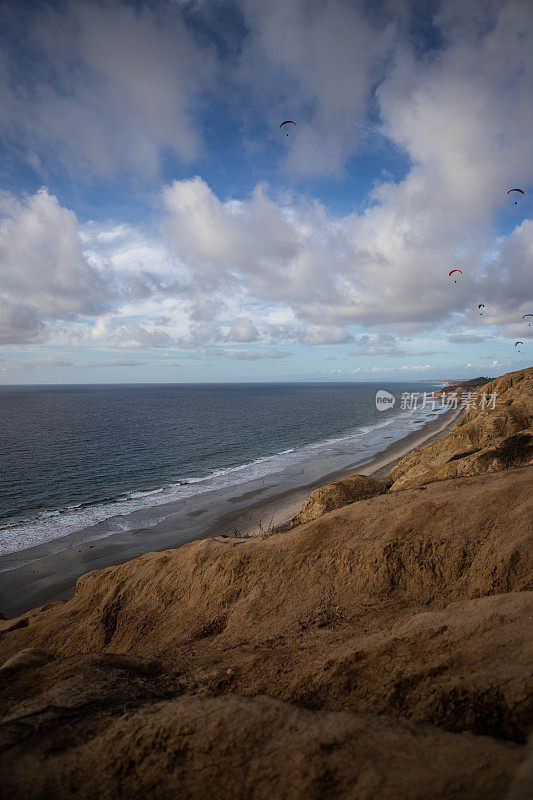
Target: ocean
[(73, 457)]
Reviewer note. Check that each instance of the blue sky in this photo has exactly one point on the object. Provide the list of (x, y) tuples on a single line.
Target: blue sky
[(156, 224)]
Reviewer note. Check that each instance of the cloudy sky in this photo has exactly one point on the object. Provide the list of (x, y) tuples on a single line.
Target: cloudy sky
[(157, 225)]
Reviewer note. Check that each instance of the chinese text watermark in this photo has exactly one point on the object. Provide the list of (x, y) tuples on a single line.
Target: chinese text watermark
[(412, 401)]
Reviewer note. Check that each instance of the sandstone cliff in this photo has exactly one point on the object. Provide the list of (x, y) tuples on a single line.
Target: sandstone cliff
[(383, 646), (337, 494), (495, 433), (485, 439)]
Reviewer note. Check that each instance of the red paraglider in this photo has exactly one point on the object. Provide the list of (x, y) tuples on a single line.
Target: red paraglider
[(450, 273), (287, 122), (517, 343), (516, 190), (480, 306)]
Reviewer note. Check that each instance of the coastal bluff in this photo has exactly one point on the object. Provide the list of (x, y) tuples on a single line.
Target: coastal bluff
[(382, 650), (486, 438), (495, 433)]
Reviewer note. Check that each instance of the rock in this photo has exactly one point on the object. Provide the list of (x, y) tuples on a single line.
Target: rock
[(25, 659), (387, 479), (337, 494), (522, 786), (465, 667), (229, 746), (484, 440), (8, 625)]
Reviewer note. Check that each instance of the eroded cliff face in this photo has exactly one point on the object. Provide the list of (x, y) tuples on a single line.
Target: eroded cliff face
[(484, 439), (384, 646)]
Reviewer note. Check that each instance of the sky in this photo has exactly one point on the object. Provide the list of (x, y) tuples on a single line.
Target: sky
[(157, 224)]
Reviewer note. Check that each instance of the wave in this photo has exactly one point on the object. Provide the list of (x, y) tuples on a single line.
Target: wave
[(112, 515)]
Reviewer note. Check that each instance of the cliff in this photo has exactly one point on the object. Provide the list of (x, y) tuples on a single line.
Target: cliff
[(469, 385), (495, 433), (486, 438), (381, 650)]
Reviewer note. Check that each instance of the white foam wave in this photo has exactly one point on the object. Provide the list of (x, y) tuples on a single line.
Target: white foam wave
[(54, 524)]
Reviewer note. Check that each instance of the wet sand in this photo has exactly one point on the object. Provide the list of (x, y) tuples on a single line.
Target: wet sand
[(255, 507)]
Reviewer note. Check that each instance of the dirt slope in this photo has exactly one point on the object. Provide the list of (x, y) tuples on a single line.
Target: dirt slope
[(484, 439), (106, 728), (390, 636)]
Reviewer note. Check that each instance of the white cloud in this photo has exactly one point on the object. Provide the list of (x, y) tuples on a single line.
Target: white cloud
[(405, 368), (385, 268), (125, 336), (243, 330), (385, 344), (316, 63), (465, 338), (112, 86), (255, 355), (226, 242), (344, 371), (321, 335), (278, 267), (19, 323), (43, 267)]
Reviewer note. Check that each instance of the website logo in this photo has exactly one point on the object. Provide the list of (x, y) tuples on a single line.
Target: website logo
[(384, 400)]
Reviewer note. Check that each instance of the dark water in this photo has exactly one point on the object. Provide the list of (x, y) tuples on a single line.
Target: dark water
[(71, 455)]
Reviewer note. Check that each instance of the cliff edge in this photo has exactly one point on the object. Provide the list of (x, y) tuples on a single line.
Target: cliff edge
[(495, 433)]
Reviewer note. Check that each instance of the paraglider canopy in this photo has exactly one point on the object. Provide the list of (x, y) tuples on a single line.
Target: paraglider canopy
[(516, 190), (450, 273), (481, 305), (287, 122), (528, 315), (518, 343)]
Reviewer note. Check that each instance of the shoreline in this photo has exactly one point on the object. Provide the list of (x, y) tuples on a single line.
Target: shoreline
[(255, 508), (277, 511)]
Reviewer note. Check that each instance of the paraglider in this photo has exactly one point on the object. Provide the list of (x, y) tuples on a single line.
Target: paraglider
[(480, 306), (450, 273), (517, 343), (516, 190), (528, 315), (287, 122)]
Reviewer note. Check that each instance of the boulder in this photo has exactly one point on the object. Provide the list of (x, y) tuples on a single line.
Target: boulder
[(337, 494)]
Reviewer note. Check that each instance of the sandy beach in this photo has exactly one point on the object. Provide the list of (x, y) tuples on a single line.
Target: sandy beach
[(251, 508)]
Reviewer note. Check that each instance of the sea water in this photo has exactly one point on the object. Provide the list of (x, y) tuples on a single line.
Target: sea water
[(72, 457)]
